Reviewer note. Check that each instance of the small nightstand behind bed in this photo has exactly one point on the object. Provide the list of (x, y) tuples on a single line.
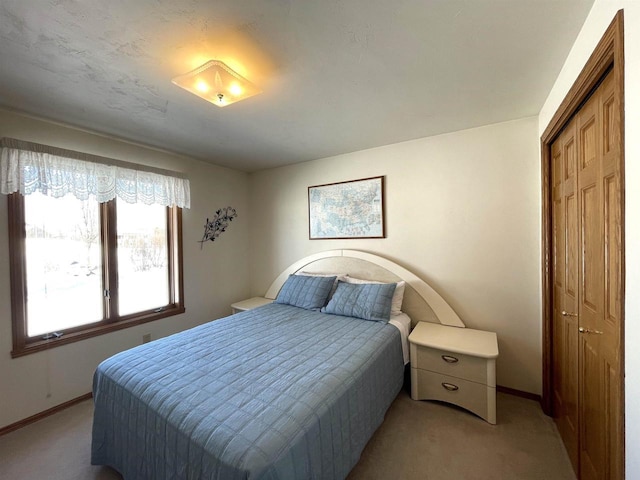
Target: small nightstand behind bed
[(455, 365), (249, 304)]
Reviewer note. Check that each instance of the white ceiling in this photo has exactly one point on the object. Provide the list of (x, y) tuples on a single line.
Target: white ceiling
[(338, 76)]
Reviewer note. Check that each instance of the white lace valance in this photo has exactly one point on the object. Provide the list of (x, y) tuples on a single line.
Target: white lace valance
[(27, 167)]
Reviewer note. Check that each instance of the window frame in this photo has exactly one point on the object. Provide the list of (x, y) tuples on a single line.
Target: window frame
[(112, 321)]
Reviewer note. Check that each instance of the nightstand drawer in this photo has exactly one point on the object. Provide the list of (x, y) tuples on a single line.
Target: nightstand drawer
[(453, 364), (475, 397)]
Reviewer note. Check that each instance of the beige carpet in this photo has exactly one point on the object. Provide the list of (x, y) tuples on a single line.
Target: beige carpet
[(418, 440)]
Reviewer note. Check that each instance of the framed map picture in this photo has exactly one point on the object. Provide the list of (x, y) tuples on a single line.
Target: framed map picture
[(353, 209)]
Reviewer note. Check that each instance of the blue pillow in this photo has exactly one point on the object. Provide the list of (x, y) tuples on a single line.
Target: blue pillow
[(305, 292), (369, 301)]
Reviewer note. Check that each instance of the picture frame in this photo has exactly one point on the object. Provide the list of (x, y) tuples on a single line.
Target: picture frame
[(347, 210)]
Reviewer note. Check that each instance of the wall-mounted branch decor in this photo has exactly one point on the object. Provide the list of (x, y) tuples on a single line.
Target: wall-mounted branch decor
[(353, 209), (218, 224)]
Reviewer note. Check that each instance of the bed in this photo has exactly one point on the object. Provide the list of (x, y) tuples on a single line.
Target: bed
[(283, 391)]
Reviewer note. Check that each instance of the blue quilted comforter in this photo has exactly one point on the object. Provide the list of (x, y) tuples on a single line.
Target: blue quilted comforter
[(277, 392)]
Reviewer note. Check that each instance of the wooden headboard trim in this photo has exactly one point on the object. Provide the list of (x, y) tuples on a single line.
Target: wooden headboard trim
[(443, 311)]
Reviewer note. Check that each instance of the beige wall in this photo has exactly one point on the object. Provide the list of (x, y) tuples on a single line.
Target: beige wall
[(599, 19), (463, 213), (215, 276)]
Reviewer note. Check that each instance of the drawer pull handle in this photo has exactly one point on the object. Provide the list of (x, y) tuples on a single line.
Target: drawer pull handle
[(449, 359), (450, 386)]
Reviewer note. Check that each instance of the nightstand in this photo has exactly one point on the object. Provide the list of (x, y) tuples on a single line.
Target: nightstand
[(455, 365), (249, 304)]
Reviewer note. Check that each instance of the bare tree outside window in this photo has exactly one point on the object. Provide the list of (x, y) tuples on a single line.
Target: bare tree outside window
[(147, 251), (88, 232)]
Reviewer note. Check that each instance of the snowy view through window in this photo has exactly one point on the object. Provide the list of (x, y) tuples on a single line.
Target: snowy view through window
[(64, 266)]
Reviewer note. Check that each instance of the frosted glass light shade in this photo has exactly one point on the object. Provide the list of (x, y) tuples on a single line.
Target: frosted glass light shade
[(217, 83)]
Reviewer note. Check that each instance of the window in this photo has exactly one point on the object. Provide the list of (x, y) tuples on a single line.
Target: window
[(63, 265), (142, 257), (95, 243), (80, 268)]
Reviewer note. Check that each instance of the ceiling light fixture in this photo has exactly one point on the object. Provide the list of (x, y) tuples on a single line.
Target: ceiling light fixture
[(217, 83)]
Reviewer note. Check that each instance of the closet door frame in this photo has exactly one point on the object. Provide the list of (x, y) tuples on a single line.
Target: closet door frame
[(608, 55)]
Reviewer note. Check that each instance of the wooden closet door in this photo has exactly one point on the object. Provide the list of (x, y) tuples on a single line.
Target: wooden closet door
[(611, 323), (587, 292), (599, 351), (591, 293), (565, 290)]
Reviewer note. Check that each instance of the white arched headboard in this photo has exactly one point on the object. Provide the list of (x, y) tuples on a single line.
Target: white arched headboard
[(421, 302)]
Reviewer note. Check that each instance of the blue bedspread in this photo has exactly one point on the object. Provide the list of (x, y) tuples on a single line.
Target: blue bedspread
[(277, 392)]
